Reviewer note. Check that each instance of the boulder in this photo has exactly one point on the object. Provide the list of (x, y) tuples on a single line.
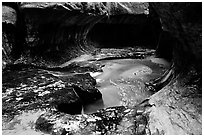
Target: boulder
[(84, 85), (37, 90), (29, 89)]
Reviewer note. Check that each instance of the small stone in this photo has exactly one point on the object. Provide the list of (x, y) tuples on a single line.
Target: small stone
[(140, 111), (18, 99), (127, 110)]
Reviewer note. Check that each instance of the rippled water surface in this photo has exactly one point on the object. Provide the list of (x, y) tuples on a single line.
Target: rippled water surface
[(122, 81)]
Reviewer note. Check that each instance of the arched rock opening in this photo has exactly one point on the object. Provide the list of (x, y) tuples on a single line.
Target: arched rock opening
[(58, 32), (119, 31)]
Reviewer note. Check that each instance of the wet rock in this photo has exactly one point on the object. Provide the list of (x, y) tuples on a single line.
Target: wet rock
[(60, 31), (92, 7), (78, 67), (172, 113), (177, 106), (112, 53), (110, 121), (66, 101), (69, 25), (183, 23), (111, 117), (37, 89), (29, 89), (23, 124), (73, 67), (60, 123), (84, 86)]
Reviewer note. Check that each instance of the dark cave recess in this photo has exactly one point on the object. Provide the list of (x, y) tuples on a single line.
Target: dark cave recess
[(125, 30), (62, 35), (64, 31)]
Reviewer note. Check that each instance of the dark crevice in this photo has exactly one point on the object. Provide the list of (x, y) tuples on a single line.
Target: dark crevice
[(40, 43), (166, 42), (126, 31), (19, 31), (73, 108)]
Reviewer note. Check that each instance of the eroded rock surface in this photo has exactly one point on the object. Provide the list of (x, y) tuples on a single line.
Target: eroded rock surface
[(175, 110), (50, 93), (9, 18), (110, 121), (39, 39), (28, 89)]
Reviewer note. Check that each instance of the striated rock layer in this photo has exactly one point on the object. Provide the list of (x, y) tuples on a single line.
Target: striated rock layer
[(59, 29), (49, 34), (176, 108)]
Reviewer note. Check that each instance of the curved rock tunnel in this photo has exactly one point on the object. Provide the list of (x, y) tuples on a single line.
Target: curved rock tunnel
[(117, 31), (54, 33), (126, 31)]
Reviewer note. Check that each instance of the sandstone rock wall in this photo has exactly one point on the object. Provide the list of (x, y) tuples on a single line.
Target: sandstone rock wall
[(58, 29)]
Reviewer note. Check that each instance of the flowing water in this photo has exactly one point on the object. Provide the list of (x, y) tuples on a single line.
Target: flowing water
[(122, 81)]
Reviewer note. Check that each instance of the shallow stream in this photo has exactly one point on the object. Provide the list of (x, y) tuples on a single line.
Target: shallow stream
[(122, 81), (121, 84)]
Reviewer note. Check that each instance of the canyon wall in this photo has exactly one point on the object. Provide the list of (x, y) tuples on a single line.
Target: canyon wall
[(61, 31)]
